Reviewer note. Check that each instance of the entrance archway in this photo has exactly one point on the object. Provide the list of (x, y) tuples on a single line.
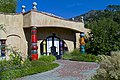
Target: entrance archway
[(53, 45)]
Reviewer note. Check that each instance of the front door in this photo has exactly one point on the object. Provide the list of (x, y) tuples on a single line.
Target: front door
[(52, 45)]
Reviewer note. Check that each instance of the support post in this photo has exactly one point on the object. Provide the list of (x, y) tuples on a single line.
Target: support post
[(34, 47), (82, 43)]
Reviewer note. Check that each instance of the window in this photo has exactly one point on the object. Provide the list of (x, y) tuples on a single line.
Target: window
[(2, 49)]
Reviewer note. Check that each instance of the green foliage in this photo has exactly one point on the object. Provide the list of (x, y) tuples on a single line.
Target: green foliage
[(85, 57), (37, 63), (75, 52), (109, 67), (105, 26), (15, 56), (16, 67), (77, 56), (8, 6), (36, 67), (49, 58), (67, 56), (106, 36), (113, 8), (41, 68)]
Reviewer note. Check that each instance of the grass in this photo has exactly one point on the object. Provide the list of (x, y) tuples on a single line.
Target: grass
[(9, 71), (77, 56)]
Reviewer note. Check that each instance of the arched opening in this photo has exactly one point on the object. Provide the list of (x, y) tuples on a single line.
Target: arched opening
[(53, 45)]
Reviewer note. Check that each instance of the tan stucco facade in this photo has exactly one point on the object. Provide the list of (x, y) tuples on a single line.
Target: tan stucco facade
[(14, 34), (18, 30)]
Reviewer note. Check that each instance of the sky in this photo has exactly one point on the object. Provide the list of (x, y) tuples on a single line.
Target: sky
[(66, 8)]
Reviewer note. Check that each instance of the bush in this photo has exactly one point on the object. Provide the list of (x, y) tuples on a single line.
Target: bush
[(109, 67), (49, 58), (75, 52), (85, 57), (77, 56), (67, 56), (16, 67)]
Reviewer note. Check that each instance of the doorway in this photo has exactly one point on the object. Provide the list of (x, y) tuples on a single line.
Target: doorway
[(53, 45)]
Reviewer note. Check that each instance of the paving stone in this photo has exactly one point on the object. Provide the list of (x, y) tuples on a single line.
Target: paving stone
[(68, 70)]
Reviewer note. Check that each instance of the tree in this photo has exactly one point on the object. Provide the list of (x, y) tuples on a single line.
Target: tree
[(105, 26), (113, 8), (8, 6), (106, 36)]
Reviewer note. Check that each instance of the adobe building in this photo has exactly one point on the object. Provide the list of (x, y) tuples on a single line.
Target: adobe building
[(37, 33)]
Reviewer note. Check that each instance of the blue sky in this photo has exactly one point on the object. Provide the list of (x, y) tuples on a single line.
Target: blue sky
[(66, 8)]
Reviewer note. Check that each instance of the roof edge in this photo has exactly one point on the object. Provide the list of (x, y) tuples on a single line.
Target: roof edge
[(49, 15)]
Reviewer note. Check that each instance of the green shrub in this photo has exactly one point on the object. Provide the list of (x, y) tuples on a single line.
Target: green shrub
[(67, 56), (16, 67), (49, 58), (109, 67), (77, 56), (85, 57), (75, 52)]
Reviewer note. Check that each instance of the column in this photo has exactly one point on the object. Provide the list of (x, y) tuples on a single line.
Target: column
[(82, 43), (34, 47)]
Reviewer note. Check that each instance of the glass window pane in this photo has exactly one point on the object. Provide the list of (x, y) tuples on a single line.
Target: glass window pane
[(56, 44), (56, 39), (49, 45), (49, 39)]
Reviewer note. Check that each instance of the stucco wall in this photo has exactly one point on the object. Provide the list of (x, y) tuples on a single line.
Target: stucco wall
[(67, 35), (39, 19), (14, 31), (77, 40)]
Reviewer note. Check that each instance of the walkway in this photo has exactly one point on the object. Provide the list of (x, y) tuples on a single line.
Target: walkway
[(68, 70)]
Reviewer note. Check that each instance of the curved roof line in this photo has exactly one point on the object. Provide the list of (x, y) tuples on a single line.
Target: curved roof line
[(48, 14)]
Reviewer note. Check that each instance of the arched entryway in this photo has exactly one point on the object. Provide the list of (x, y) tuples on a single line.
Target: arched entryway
[(53, 45)]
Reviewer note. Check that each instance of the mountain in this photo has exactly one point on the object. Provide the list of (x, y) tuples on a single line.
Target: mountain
[(94, 15), (87, 16)]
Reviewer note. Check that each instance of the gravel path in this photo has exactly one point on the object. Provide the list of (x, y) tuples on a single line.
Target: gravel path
[(68, 70)]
